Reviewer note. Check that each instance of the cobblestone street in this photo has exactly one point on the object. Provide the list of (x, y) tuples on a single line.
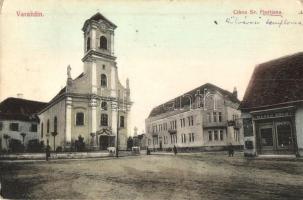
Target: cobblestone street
[(190, 176)]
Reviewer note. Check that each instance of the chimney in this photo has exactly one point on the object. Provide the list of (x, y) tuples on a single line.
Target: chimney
[(235, 92), (20, 95)]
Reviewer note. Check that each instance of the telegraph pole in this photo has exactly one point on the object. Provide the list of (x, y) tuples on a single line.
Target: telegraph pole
[(117, 137)]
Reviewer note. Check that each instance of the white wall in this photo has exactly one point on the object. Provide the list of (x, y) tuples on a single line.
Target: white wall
[(24, 127)]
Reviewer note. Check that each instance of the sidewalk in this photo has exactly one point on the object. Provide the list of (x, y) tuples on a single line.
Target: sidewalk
[(63, 155)]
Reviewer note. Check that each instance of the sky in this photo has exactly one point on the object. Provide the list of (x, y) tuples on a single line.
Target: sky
[(165, 48)]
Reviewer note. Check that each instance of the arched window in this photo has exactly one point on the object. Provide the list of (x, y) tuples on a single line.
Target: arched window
[(79, 119), (104, 120), (103, 42), (55, 124), (122, 121), (88, 44), (41, 130), (47, 126), (103, 80), (104, 105)]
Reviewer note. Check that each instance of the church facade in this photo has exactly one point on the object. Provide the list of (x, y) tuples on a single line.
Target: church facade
[(94, 106)]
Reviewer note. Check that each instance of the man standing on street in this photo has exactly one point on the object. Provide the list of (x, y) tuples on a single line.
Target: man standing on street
[(47, 152), (175, 149)]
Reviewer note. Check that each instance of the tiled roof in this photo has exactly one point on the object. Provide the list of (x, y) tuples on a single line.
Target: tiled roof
[(185, 101), (20, 109), (275, 82)]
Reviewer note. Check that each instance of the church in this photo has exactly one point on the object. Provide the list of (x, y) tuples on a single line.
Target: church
[(94, 106)]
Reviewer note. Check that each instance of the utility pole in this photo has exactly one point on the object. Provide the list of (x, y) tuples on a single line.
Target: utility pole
[(117, 137)]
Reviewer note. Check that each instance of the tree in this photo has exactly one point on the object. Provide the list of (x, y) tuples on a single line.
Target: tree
[(54, 134), (130, 143), (80, 145)]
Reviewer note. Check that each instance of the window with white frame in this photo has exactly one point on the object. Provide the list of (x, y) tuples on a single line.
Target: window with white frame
[(33, 128), (215, 116), (216, 137), (14, 127), (183, 138), (79, 119), (221, 135), (220, 116), (191, 137), (103, 80), (210, 135), (104, 105), (104, 119), (209, 117)]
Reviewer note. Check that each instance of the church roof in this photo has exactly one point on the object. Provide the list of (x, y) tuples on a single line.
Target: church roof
[(20, 109), (276, 82), (98, 16), (185, 101)]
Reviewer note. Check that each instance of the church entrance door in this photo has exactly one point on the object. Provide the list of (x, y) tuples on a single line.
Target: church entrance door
[(104, 142)]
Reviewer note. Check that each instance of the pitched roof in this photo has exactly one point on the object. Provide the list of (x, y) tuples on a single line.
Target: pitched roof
[(20, 109), (185, 101), (275, 82), (96, 17)]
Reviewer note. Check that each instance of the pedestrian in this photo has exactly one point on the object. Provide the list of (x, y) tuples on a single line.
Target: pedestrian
[(47, 152), (175, 149), (230, 150)]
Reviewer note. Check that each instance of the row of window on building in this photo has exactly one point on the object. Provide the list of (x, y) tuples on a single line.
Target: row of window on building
[(173, 139), (103, 120), (214, 117), (80, 122), (215, 135), (173, 124), (14, 126)]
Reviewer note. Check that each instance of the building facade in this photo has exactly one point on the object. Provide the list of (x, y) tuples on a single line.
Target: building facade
[(95, 105), (206, 118), (18, 121), (272, 108)]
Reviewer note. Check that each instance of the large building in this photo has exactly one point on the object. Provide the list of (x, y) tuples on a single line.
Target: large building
[(205, 118), (18, 121), (272, 108), (95, 105)]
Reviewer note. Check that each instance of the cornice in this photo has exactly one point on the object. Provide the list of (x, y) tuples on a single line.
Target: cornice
[(92, 55)]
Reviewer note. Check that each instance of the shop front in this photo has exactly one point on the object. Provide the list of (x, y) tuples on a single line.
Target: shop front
[(274, 132)]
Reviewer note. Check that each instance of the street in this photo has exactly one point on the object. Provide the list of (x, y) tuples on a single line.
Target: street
[(190, 176)]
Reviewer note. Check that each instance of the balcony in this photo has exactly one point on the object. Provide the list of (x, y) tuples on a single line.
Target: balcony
[(214, 124)]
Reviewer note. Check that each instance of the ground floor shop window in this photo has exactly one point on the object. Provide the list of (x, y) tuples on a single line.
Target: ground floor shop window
[(284, 134), (266, 137)]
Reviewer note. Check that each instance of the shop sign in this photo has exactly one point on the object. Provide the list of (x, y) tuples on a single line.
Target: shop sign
[(273, 115)]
